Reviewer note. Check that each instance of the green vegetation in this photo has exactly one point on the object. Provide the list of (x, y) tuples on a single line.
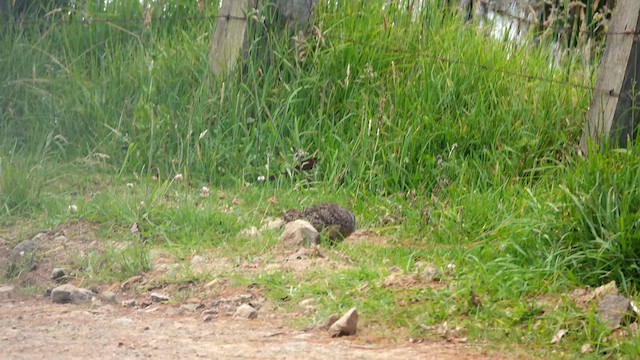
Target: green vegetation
[(420, 127)]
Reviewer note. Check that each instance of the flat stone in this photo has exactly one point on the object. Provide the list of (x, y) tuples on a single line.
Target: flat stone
[(612, 309), (62, 294), (245, 311), (109, 297), (68, 293), (347, 325)]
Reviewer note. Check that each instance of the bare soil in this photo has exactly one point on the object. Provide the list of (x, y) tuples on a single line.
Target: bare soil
[(31, 327), (35, 328)]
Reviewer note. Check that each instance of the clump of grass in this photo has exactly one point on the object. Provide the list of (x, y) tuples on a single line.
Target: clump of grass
[(21, 184), (431, 141), (601, 223), (377, 116)]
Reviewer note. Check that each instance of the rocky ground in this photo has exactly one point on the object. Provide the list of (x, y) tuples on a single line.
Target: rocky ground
[(48, 309), (36, 328)]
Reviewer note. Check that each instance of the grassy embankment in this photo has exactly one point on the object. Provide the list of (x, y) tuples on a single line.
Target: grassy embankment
[(450, 163)]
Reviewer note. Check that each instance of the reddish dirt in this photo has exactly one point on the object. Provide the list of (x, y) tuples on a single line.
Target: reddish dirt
[(36, 328), (31, 327)]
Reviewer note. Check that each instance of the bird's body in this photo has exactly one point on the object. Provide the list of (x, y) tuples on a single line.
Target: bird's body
[(337, 221)]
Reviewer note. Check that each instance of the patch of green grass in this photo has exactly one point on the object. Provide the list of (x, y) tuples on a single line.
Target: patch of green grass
[(418, 126)]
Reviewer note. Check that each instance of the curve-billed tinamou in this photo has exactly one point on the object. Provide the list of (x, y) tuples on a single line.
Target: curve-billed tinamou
[(336, 221)]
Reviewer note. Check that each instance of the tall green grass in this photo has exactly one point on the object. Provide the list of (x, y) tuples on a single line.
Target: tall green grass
[(389, 101), (376, 103)]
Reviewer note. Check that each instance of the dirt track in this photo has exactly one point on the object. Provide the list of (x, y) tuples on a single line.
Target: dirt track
[(35, 329)]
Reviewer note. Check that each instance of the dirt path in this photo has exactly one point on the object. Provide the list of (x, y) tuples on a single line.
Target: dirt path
[(36, 328)]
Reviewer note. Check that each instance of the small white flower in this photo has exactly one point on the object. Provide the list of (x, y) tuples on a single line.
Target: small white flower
[(261, 178), (178, 177), (451, 267), (73, 209), (205, 191), (130, 185)]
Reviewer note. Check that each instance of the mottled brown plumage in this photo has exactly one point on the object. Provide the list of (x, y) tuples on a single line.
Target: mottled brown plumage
[(337, 221)]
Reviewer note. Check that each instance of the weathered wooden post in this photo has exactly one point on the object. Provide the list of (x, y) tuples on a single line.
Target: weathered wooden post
[(231, 35), (613, 112)]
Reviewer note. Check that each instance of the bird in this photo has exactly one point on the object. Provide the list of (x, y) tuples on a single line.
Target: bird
[(336, 221)]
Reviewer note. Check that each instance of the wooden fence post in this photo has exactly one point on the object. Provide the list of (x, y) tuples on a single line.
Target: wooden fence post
[(614, 112), (232, 30), (230, 34)]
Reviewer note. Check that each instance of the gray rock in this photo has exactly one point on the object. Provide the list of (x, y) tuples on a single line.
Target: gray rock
[(330, 321), (299, 233), (81, 296), (59, 275), (612, 309), (347, 325), (208, 318), (6, 292), (157, 297), (68, 293), (109, 297), (245, 311)]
